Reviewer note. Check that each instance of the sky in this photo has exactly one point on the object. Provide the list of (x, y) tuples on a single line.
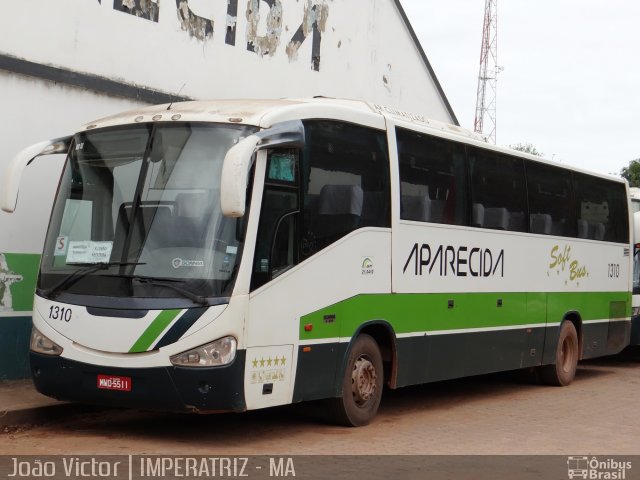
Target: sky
[(571, 79)]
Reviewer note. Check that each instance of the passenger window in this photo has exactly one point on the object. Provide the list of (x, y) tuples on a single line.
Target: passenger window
[(551, 204), (498, 191), (601, 209), (345, 182), (433, 179)]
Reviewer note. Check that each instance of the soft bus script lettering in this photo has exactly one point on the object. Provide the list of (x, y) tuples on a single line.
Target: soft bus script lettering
[(561, 261)]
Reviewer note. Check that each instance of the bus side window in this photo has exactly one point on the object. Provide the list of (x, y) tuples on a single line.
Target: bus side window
[(276, 242), (433, 179), (498, 191), (551, 204), (345, 182), (601, 209)]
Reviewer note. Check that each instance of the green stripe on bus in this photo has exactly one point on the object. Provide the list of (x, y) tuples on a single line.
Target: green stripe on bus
[(153, 331), (408, 313)]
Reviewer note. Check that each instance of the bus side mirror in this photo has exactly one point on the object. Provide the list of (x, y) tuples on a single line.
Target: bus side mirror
[(240, 157), (13, 173)]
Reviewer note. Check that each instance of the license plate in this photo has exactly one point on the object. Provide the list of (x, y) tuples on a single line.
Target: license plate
[(114, 382)]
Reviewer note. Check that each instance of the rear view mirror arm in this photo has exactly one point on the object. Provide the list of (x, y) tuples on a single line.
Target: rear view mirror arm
[(13, 173)]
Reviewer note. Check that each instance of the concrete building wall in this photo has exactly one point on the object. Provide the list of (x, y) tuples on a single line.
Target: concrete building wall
[(67, 62)]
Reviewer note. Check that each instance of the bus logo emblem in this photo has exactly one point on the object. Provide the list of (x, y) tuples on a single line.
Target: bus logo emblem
[(367, 266), (179, 262)]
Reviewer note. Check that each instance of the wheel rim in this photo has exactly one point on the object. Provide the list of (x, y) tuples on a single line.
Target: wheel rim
[(363, 380), (567, 354)]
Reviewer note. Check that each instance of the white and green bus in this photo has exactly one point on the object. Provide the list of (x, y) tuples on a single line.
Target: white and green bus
[(635, 316), (236, 255)]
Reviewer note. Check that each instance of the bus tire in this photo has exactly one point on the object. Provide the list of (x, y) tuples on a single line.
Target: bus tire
[(563, 371), (361, 386)]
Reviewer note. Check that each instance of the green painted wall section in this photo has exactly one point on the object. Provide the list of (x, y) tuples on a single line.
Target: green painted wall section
[(15, 331), (26, 265), (431, 312)]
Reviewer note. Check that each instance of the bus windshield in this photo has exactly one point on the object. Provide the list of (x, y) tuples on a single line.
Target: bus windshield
[(137, 214)]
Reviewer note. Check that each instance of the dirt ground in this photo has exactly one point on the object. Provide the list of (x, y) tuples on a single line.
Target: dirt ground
[(494, 414)]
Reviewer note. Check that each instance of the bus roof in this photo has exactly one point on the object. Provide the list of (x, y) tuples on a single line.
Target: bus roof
[(265, 113)]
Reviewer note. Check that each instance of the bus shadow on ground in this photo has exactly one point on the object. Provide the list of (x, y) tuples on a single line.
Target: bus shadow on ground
[(236, 430), (628, 358)]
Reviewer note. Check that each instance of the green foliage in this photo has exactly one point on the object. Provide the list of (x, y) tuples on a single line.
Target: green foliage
[(526, 148), (632, 173)]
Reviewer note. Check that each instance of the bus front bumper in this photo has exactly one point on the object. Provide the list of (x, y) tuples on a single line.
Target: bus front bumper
[(174, 389)]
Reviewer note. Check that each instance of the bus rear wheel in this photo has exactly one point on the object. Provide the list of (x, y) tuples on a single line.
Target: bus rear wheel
[(563, 371), (361, 385)]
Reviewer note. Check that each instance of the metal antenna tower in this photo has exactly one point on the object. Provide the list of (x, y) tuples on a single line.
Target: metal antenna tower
[(485, 121)]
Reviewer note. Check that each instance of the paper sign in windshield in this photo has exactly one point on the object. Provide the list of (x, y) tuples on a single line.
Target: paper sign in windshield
[(61, 246), (89, 252)]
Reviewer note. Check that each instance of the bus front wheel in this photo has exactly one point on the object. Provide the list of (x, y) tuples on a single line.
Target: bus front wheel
[(563, 371), (361, 385)]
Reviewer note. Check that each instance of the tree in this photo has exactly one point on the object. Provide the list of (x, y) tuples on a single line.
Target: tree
[(526, 148), (632, 173)]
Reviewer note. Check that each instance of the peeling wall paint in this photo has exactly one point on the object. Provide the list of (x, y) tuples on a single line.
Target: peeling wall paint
[(217, 47), (386, 79), (314, 22), (232, 22), (198, 27), (147, 9), (264, 44)]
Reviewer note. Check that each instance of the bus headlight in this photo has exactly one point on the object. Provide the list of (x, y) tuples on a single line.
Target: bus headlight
[(214, 354), (41, 344)]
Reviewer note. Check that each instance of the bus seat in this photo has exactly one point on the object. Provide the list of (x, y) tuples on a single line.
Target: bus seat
[(311, 204), (517, 221), (477, 218), (160, 228), (583, 228), (541, 223), (416, 207), (339, 211), (150, 217), (190, 217), (340, 200), (192, 205), (558, 227), (596, 231), (437, 211), (375, 209), (496, 218)]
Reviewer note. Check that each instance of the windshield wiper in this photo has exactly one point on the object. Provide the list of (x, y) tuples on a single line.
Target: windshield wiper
[(83, 272), (163, 282)]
